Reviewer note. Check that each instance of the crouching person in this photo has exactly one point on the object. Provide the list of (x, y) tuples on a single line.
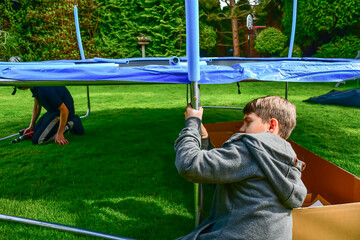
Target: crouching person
[(256, 172), (59, 118)]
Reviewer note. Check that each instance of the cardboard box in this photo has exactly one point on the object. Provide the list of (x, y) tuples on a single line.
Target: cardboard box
[(331, 209)]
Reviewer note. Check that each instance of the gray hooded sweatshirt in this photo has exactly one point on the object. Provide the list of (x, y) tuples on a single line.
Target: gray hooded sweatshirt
[(258, 184)]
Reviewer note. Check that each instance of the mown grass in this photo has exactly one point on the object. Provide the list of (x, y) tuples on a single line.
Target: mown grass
[(120, 177)]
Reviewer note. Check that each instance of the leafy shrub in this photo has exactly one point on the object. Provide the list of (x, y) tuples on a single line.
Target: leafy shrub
[(297, 52), (121, 21), (319, 20), (270, 41), (342, 47), (45, 30), (10, 24), (207, 36), (9, 46)]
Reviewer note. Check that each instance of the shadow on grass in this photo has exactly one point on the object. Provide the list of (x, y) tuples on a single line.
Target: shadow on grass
[(119, 177)]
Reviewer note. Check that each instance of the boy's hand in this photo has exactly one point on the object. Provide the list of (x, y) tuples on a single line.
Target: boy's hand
[(27, 130), (60, 139), (190, 112), (204, 133)]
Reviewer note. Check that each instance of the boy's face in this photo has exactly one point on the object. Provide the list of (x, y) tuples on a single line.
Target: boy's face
[(254, 124)]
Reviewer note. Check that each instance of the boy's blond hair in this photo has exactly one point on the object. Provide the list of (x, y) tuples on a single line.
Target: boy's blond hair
[(274, 107)]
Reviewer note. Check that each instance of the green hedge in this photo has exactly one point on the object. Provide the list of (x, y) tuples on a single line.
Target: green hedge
[(45, 30), (346, 47), (321, 22)]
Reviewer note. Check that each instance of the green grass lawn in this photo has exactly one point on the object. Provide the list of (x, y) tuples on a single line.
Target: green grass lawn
[(120, 178)]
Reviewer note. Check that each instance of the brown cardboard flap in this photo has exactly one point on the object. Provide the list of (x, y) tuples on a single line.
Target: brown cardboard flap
[(330, 181), (332, 222), (312, 199), (220, 132)]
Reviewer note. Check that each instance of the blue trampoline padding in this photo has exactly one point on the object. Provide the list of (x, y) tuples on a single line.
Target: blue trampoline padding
[(299, 71), (263, 69), (210, 74)]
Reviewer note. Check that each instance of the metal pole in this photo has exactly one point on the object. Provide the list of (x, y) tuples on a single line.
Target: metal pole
[(88, 102), (78, 35), (293, 27), (10, 136), (221, 107), (193, 57), (292, 39), (61, 227)]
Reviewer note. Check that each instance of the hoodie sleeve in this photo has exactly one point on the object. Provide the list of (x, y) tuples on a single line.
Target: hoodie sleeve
[(230, 163)]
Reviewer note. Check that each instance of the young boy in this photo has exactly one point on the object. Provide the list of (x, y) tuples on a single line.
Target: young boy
[(59, 118), (256, 172)]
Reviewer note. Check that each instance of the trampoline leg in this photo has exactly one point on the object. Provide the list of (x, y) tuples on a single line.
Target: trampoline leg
[(198, 194), (61, 227), (286, 90), (88, 102), (198, 189), (10, 136), (193, 55), (338, 83)]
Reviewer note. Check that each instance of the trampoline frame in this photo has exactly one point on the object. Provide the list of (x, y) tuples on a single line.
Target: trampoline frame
[(193, 96)]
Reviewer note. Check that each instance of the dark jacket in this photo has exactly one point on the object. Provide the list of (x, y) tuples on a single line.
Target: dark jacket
[(52, 97), (258, 184)]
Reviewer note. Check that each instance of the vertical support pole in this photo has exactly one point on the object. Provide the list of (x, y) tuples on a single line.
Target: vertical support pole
[(78, 33), (292, 39), (193, 58), (77, 27), (293, 27)]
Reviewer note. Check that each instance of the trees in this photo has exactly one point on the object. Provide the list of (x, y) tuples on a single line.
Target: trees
[(50, 29), (226, 21), (44, 29), (322, 21), (124, 20), (10, 38), (340, 47), (109, 28)]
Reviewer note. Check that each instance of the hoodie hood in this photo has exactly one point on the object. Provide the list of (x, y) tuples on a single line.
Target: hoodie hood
[(279, 163)]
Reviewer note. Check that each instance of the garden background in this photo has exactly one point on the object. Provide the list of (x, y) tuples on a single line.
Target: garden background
[(38, 30), (120, 177)]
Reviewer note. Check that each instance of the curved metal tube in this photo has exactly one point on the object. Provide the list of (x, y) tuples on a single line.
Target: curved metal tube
[(220, 107), (10, 136), (293, 27), (78, 33), (88, 102), (77, 27), (61, 227)]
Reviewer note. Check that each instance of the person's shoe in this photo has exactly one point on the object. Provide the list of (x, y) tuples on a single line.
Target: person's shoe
[(77, 127)]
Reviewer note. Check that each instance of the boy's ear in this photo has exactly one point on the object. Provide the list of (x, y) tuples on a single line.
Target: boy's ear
[(274, 126)]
